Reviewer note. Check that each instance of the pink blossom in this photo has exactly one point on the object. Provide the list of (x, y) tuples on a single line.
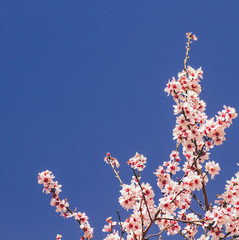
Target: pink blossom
[(62, 206), (109, 226), (113, 236), (172, 167), (191, 36), (203, 237), (109, 160), (212, 168), (192, 181), (58, 237), (137, 162)]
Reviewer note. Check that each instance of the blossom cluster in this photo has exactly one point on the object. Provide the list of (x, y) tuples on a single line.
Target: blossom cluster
[(109, 160), (114, 236), (138, 198), (190, 36), (196, 134), (109, 226), (225, 212), (52, 187), (137, 162), (177, 180)]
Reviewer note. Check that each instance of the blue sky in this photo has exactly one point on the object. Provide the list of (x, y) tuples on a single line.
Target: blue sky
[(81, 78)]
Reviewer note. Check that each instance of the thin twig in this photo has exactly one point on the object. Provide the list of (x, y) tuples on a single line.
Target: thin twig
[(79, 221), (184, 235), (116, 173), (121, 227), (199, 215), (198, 201), (184, 221), (157, 234), (187, 54)]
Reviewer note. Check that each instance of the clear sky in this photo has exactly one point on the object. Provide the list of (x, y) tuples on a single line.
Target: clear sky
[(80, 78)]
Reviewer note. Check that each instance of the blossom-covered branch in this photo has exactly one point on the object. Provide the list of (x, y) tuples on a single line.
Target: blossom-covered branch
[(52, 187), (177, 179)]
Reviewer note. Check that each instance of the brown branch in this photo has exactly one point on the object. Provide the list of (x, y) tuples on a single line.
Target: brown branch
[(156, 215), (157, 234), (121, 227), (198, 201), (142, 194), (187, 54), (235, 237), (116, 173), (79, 221), (205, 196), (178, 146), (184, 235), (184, 221), (199, 215)]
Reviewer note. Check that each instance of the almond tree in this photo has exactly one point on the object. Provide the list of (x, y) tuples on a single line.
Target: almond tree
[(195, 135)]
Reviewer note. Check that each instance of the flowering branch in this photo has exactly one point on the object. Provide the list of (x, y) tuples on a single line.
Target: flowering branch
[(196, 134), (143, 194), (114, 163), (52, 187)]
